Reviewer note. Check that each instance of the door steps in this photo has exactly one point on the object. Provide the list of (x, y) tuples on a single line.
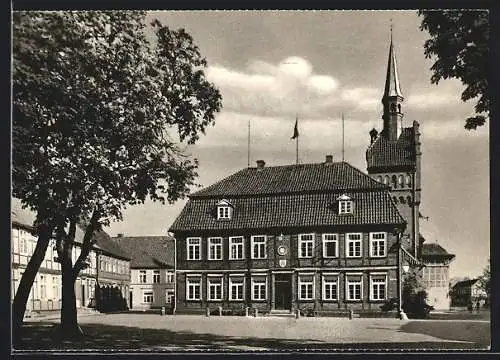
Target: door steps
[(281, 313)]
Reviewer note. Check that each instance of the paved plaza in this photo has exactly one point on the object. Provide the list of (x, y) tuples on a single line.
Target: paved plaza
[(151, 332)]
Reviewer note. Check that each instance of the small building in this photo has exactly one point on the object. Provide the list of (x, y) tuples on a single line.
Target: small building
[(467, 292), (436, 275), (112, 272), (152, 274)]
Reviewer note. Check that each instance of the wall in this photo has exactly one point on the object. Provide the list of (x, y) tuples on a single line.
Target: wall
[(159, 289)]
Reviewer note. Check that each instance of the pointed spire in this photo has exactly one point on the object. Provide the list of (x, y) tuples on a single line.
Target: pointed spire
[(392, 86)]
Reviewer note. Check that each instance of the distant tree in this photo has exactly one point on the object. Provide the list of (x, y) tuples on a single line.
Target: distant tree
[(99, 116), (459, 39), (485, 281)]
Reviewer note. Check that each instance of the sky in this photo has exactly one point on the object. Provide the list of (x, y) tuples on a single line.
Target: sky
[(271, 66)]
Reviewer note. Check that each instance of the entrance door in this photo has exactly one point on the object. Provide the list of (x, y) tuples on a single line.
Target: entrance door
[(283, 291), (130, 300)]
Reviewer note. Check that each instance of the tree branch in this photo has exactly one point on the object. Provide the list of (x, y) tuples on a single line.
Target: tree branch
[(88, 242)]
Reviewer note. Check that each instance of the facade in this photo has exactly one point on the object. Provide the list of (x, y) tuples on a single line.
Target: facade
[(323, 237), (309, 236), (113, 270), (436, 276), (152, 271), (468, 292)]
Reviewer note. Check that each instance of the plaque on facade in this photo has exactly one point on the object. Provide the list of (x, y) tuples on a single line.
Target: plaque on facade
[(282, 263), (282, 250)]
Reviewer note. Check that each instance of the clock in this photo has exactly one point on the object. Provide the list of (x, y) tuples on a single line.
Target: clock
[(282, 250)]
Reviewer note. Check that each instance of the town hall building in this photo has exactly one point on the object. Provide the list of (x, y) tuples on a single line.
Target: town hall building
[(321, 237)]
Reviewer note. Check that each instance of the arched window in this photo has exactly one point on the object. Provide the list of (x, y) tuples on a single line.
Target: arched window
[(401, 199), (379, 179), (386, 180), (399, 108), (408, 200), (401, 181), (395, 199), (408, 180), (394, 182)]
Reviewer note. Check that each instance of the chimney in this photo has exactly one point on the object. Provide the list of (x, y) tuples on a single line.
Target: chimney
[(373, 135), (119, 235), (260, 164), (329, 159)]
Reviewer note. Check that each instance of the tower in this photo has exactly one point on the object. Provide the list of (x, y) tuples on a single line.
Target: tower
[(394, 157)]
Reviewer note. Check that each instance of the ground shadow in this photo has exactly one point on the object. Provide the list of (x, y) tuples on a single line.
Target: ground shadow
[(477, 332), (42, 336)]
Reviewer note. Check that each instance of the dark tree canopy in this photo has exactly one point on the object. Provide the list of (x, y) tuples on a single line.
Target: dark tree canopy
[(459, 40)]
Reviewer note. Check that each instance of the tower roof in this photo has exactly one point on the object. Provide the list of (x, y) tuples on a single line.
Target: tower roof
[(392, 85)]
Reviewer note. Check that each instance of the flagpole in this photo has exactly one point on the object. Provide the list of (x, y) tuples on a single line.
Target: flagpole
[(248, 148), (343, 137), (297, 143)]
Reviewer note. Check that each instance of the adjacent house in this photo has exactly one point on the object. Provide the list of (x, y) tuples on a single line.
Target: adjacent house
[(152, 275), (107, 270), (436, 275), (468, 292)]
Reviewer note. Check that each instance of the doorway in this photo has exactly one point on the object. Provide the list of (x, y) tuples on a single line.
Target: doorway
[(283, 291), (130, 300)]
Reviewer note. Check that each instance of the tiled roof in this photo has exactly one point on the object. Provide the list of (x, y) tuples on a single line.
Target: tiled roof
[(291, 179), (25, 218), (383, 153), (465, 283), (289, 210), (433, 249), (148, 251)]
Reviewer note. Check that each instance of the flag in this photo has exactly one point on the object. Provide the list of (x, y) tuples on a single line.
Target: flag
[(295, 130)]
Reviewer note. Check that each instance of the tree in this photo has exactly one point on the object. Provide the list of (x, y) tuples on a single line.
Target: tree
[(485, 281), (415, 295), (101, 119), (460, 41)]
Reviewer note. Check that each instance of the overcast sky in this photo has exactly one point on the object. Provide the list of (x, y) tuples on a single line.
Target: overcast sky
[(270, 66)]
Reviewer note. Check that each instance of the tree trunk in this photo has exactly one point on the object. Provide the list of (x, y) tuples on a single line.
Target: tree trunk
[(69, 322), (23, 291)]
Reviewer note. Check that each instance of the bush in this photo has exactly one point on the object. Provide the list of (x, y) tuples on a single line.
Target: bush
[(415, 305), (389, 305)]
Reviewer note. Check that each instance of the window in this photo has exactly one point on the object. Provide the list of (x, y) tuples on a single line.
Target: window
[(43, 286), (55, 287), (236, 287), (236, 248), (142, 276), (193, 287), (170, 277), (377, 244), (147, 297), (330, 245), (353, 289), (379, 179), (353, 248), (156, 276), (259, 247), (386, 180), (23, 245), (378, 287), (194, 248), (306, 245), (306, 287), (401, 181), (330, 287), (408, 180), (214, 288), (259, 287), (169, 297), (223, 212), (394, 182), (215, 248), (345, 207)]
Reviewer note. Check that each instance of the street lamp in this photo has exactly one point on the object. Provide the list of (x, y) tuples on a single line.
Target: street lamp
[(405, 268)]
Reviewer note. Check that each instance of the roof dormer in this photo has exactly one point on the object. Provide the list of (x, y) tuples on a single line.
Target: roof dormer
[(346, 204), (224, 210)]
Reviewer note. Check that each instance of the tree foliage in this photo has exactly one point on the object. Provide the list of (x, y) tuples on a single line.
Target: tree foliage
[(485, 280), (459, 39), (102, 115)]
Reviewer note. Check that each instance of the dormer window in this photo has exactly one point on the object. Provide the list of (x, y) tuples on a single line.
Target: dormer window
[(345, 204), (224, 210)]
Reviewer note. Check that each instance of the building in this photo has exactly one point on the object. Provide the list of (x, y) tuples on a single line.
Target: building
[(112, 274), (435, 275), (323, 236), (152, 271), (468, 292)]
